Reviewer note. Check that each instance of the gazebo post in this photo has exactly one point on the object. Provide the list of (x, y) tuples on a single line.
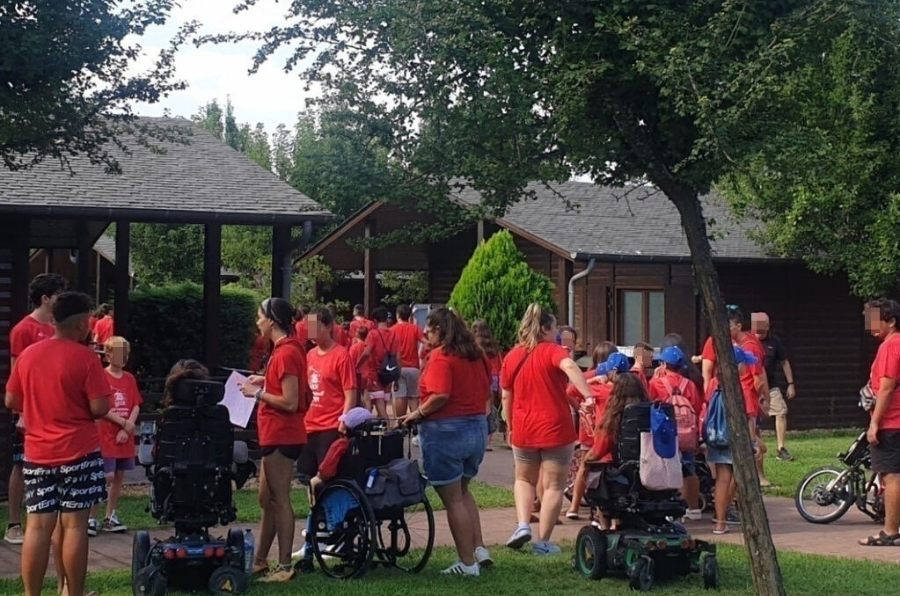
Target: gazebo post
[(121, 277), (212, 294), (281, 264), (83, 264), (370, 294)]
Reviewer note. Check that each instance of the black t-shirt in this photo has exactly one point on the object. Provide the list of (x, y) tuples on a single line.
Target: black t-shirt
[(775, 354)]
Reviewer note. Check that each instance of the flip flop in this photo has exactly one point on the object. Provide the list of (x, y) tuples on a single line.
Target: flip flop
[(883, 539), (572, 515), (720, 532)]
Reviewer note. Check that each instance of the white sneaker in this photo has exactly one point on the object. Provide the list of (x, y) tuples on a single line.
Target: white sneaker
[(519, 538), (459, 568), (693, 515), (415, 441), (483, 557)]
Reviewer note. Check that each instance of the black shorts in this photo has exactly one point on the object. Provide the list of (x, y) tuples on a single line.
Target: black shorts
[(18, 443), (74, 486), (886, 455), (292, 452), (317, 445)]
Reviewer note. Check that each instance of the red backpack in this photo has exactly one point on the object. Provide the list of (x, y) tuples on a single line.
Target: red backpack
[(685, 416)]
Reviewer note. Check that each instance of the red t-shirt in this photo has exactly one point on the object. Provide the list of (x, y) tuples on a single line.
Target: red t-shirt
[(26, 332), (356, 322), (638, 371), (103, 330), (277, 428), (340, 335), (56, 380), (328, 469), (125, 396), (301, 330), (603, 447), (92, 322), (381, 341), (887, 364), (356, 351), (330, 375), (467, 382), (601, 392), (541, 415), (659, 391), (408, 337), (258, 352), (750, 343)]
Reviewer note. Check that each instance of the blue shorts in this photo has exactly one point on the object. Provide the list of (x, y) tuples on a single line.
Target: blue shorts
[(719, 456), (453, 448), (687, 464), (117, 464)]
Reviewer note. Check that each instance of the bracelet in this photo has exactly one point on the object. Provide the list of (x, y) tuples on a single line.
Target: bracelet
[(420, 412), (790, 383), (259, 394)]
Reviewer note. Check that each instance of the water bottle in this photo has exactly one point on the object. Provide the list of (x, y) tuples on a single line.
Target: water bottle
[(249, 548)]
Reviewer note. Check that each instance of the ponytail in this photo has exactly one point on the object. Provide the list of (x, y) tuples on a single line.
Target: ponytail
[(531, 330)]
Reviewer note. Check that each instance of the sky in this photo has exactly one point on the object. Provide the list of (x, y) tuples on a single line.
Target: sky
[(270, 96)]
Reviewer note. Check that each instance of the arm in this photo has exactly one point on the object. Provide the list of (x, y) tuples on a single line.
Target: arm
[(290, 401), (506, 398), (882, 403), (576, 377), (707, 369), (13, 402), (789, 375), (364, 357), (99, 407)]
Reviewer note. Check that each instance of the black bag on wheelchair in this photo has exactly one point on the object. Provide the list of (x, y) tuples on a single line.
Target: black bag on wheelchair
[(398, 484)]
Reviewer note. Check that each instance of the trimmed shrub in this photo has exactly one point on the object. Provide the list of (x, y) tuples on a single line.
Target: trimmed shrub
[(498, 285), (166, 325)]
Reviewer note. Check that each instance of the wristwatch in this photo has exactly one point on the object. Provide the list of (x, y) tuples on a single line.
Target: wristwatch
[(259, 393)]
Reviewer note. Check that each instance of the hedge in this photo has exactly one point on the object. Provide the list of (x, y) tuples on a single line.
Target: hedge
[(166, 324)]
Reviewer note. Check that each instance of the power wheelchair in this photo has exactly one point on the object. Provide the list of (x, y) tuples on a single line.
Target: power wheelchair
[(648, 541), (374, 512), (191, 460)]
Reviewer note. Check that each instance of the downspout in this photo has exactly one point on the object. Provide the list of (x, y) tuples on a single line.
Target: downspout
[(576, 277)]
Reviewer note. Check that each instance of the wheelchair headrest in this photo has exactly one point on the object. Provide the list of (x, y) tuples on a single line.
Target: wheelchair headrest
[(197, 394)]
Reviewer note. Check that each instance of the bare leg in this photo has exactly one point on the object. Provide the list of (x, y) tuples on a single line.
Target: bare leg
[(578, 489), (380, 408), (280, 470), (459, 520), (267, 523), (474, 515), (724, 494), (58, 561), (527, 475), (554, 480), (400, 406), (780, 430), (16, 494), (115, 482), (891, 483), (36, 550), (690, 492), (75, 549)]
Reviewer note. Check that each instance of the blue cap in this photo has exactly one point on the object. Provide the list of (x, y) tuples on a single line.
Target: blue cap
[(672, 355), (744, 357), (664, 431), (617, 361)]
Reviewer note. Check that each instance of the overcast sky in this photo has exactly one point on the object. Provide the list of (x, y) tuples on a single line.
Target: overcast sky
[(270, 96)]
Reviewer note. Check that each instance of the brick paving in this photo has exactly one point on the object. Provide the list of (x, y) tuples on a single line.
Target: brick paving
[(789, 530)]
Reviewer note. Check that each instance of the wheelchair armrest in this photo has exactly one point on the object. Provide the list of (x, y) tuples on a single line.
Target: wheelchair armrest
[(623, 468), (145, 454), (240, 452)]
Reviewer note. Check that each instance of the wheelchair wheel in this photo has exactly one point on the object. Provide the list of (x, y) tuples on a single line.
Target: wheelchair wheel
[(140, 552), (227, 580), (710, 571), (235, 542), (344, 527), (641, 574), (590, 553), (149, 581), (819, 504), (406, 538)]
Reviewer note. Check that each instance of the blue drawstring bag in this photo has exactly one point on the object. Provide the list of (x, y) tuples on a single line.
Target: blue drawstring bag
[(715, 429), (664, 432)]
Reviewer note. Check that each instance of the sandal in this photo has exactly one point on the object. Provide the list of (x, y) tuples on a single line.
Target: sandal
[(572, 515), (883, 539)]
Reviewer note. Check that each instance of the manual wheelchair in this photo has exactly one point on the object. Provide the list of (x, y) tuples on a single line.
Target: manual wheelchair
[(647, 542), (191, 460), (374, 512)]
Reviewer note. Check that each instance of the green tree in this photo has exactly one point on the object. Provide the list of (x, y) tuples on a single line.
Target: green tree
[(209, 117), (404, 287), (498, 94), (497, 285), (167, 253), (79, 102)]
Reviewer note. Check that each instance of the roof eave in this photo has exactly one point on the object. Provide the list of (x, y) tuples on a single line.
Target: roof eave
[(634, 258), (166, 215)]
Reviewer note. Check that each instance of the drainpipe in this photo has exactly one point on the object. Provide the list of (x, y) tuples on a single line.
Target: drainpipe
[(576, 277)]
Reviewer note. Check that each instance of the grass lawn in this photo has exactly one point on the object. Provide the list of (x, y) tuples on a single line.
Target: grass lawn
[(132, 511), (518, 574), (811, 450)]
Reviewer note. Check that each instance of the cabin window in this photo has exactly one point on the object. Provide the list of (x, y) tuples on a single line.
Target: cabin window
[(642, 317)]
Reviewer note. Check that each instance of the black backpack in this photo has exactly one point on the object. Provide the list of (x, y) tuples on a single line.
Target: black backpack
[(389, 369)]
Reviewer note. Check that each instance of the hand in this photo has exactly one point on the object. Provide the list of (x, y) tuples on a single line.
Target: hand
[(314, 484), (128, 427), (872, 434), (342, 428), (256, 380), (121, 437), (249, 390), (410, 418), (586, 408), (764, 405), (791, 392)]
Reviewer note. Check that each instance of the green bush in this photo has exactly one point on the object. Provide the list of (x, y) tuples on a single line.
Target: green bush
[(498, 285), (166, 324)]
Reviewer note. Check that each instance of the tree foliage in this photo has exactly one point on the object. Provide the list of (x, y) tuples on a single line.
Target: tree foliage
[(167, 253), (497, 285), (67, 78)]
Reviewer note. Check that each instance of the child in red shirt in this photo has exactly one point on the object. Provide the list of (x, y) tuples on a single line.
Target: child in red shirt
[(117, 432), (361, 369)]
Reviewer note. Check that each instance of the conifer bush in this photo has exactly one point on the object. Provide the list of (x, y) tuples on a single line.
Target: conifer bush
[(498, 285)]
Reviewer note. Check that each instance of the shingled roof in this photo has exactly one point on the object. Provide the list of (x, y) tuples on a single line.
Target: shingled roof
[(201, 180), (632, 223)]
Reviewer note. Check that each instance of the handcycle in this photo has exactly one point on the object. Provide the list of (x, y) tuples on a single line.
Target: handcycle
[(827, 493)]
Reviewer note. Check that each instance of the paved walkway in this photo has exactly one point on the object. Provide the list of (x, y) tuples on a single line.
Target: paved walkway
[(789, 530)]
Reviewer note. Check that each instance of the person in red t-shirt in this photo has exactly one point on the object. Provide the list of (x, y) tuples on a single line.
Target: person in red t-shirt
[(338, 332), (882, 318), (60, 388), (409, 340), (484, 337), (533, 381), (117, 432), (359, 319), (35, 327), (361, 371), (104, 329), (455, 389), (379, 342), (282, 398)]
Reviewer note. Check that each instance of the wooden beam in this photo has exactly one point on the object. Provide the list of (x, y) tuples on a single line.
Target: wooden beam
[(370, 292), (121, 278), (83, 265), (281, 265), (479, 233), (212, 292)]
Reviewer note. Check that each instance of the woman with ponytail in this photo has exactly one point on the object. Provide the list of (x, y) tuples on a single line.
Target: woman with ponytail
[(454, 388), (542, 432)]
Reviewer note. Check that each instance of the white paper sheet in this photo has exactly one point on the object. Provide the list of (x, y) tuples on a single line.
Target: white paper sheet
[(240, 408)]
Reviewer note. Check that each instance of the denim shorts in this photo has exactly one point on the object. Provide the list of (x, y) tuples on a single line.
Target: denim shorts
[(715, 455), (688, 467), (453, 448), (116, 464)]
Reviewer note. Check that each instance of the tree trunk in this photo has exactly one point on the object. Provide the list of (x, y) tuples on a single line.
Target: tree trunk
[(757, 535)]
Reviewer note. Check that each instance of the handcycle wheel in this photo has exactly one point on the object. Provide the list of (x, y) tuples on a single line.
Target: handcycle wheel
[(818, 504), (406, 536), (344, 528)]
